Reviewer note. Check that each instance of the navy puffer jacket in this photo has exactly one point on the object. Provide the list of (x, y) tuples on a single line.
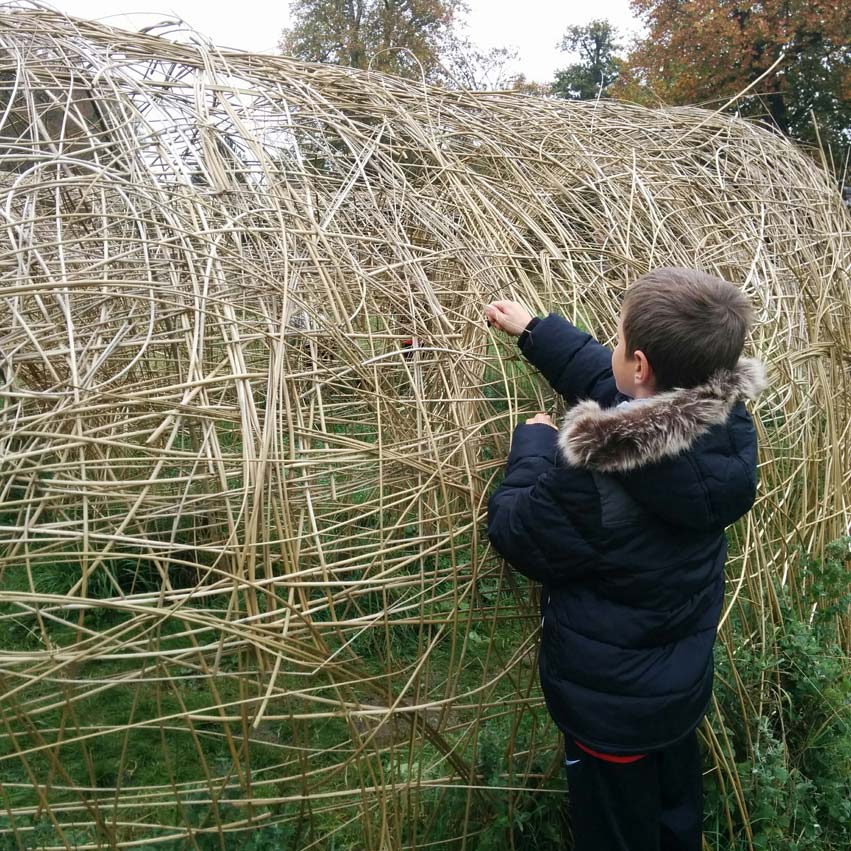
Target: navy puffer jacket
[(621, 516)]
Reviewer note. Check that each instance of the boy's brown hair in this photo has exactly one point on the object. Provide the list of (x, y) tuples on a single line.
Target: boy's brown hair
[(687, 323)]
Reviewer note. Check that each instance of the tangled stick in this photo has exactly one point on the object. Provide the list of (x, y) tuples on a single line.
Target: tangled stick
[(250, 413)]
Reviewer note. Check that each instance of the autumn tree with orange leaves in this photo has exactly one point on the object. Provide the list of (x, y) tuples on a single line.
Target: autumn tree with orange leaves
[(707, 51)]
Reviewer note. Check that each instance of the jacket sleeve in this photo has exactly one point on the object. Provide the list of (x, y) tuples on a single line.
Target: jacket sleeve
[(529, 515), (575, 364)]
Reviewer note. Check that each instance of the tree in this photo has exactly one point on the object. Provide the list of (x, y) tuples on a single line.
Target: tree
[(404, 37), (699, 51), (522, 85), (470, 67), (598, 67)]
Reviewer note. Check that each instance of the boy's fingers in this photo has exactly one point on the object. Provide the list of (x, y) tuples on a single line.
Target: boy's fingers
[(542, 419), (493, 316)]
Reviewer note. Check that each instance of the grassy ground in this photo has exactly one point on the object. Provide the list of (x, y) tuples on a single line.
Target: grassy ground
[(476, 766), (792, 754)]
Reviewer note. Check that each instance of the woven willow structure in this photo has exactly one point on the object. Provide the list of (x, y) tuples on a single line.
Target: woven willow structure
[(250, 413)]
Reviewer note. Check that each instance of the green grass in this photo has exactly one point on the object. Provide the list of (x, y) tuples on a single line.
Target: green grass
[(792, 761), (175, 752)]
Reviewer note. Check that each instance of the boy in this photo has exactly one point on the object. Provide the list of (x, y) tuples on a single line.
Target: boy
[(621, 516)]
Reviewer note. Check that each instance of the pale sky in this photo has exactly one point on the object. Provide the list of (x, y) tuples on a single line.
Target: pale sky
[(533, 27)]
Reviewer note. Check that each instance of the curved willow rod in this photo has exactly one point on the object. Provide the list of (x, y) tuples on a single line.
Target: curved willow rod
[(250, 413)]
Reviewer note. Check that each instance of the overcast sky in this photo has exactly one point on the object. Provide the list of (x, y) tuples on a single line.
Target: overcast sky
[(533, 27)]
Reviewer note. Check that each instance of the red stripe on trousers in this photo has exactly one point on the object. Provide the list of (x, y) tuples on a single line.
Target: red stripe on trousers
[(610, 757)]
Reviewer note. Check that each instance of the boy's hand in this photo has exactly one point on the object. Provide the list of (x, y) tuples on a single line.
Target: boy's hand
[(542, 419), (508, 316)]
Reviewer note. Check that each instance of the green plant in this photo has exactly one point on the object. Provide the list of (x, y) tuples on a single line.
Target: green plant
[(793, 759)]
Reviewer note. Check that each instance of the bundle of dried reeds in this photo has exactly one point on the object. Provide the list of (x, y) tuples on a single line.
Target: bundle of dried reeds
[(250, 412)]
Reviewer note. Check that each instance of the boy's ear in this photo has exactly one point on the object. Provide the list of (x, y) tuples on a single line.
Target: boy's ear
[(643, 370)]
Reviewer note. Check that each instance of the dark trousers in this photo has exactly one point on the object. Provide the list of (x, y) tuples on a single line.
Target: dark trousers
[(654, 804)]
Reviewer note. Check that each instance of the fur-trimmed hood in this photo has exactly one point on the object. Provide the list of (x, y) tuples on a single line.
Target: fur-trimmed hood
[(624, 438)]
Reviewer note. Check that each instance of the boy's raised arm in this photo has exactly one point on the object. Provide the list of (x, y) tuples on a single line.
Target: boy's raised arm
[(574, 363)]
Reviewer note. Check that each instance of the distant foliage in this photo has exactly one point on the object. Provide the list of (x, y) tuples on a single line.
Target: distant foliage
[(699, 51), (598, 66), (409, 38), (468, 66)]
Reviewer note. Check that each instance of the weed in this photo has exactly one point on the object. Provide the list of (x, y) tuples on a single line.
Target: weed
[(793, 760)]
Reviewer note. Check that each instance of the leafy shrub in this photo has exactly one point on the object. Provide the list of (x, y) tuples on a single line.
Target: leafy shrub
[(793, 760)]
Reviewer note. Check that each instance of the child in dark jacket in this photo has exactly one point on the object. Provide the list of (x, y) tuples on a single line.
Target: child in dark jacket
[(620, 515)]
